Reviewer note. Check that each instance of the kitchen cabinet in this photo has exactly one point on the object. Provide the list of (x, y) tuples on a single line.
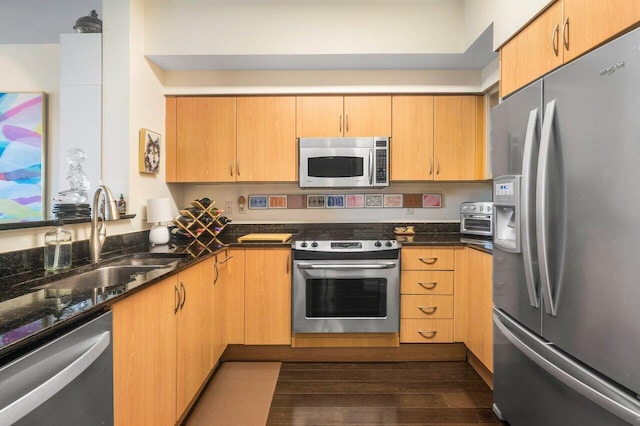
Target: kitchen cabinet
[(163, 346), (221, 280), (267, 296), (427, 295), (266, 139), (203, 146), (348, 116), (437, 138), (235, 296), (561, 33), (144, 356), (479, 327)]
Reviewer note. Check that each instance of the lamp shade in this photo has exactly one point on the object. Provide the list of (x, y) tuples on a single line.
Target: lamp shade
[(158, 210)]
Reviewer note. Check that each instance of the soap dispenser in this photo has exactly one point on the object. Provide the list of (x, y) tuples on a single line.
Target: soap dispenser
[(57, 248)]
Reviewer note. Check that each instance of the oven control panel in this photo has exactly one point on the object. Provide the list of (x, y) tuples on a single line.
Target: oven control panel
[(346, 246)]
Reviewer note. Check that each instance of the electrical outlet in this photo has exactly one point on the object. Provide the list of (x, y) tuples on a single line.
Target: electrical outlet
[(228, 207), (409, 211)]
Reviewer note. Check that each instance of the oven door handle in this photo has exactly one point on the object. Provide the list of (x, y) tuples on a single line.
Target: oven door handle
[(346, 265)]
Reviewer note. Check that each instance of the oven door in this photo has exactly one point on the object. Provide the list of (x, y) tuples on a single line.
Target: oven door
[(476, 224), (349, 296)]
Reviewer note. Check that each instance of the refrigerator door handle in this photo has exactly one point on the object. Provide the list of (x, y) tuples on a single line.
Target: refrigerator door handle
[(571, 374), (542, 185), (528, 167)]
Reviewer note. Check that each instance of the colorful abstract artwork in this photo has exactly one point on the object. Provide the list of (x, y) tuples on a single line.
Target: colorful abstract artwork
[(22, 143)]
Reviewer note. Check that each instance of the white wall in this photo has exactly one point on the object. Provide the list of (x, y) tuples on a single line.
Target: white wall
[(239, 27)]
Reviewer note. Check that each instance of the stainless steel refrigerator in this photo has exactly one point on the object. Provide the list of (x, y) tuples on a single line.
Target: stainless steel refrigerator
[(566, 257)]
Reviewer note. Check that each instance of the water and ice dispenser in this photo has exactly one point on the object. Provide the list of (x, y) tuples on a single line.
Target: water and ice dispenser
[(506, 203)]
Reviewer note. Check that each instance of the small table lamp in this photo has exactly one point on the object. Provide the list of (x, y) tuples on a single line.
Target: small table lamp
[(158, 210)]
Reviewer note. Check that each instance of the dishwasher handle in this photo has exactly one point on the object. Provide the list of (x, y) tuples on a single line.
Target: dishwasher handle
[(31, 400), (346, 265)]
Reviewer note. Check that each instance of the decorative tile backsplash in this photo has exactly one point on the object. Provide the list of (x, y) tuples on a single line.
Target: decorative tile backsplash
[(345, 201)]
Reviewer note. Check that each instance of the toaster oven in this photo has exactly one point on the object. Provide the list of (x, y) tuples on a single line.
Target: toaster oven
[(476, 218)]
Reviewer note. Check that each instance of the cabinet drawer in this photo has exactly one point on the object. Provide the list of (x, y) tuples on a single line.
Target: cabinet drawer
[(427, 258), (426, 282), (427, 306), (426, 331)]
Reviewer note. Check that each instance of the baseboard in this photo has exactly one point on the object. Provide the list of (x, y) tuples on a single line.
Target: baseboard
[(345, 340), (481, 369), (405, 352)]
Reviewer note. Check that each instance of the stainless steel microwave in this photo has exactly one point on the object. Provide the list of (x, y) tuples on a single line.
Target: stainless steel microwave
[(343, 162)]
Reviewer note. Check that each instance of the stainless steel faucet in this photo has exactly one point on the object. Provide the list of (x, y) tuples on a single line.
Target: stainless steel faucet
[(99, 233)]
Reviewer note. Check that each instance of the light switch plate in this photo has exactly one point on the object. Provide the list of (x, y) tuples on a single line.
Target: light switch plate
[(228, 207)]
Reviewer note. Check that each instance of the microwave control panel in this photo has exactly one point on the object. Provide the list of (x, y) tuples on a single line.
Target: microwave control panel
[(382, 160)]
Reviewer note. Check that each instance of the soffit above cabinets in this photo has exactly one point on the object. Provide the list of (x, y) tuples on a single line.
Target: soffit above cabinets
[(477, 56)]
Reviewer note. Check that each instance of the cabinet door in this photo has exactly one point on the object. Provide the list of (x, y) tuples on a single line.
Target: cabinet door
[(266, 139), (219, 317), (205, 139), (534, 51), (455, 137), (235, 297), (144, 356), (595, 21), (367, 116), (479, 335), (412, 138), (268, 296), (194, 350), (319, 116)]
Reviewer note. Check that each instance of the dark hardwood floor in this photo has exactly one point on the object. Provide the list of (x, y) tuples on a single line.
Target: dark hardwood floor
[(395, 393)]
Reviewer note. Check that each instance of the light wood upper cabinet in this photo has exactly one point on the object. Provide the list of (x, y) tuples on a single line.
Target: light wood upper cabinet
[(561, 33), (534, 51), (589, 23), (266, 139), (195, 319), (348, 116), (437, 138), (455, 139), (205, 140), (412, 138), (144, 356), (268, 296)]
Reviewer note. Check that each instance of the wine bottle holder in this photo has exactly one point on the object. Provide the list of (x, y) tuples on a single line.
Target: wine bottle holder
[(204, 227)]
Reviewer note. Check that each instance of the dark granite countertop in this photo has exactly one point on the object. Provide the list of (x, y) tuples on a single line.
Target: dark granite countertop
[(31, 313)]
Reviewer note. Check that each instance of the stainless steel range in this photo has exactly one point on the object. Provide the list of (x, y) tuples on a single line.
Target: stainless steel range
[(348, 286)]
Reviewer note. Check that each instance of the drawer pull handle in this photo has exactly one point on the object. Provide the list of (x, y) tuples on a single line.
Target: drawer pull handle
[(428, 286), (428, 260), (428, 309), (428, 334)]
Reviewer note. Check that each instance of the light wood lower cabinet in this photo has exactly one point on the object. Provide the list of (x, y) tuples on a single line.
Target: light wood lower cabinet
[(235, 297), (479, 326), (267, 289), (163, 346)]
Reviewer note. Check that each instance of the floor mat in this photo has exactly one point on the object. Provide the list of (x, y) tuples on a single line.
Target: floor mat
[(239, 394)]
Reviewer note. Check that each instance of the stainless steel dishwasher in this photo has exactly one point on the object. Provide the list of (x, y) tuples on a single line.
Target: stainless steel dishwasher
[(68, 381)]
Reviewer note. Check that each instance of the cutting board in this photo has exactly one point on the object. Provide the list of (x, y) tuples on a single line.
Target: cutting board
[(263, 238)]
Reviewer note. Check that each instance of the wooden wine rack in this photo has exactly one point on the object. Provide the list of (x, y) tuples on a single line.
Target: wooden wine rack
[(204, 229)]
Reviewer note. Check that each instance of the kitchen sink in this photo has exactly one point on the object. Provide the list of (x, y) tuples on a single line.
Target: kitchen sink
[(109, 276), (147, 261)]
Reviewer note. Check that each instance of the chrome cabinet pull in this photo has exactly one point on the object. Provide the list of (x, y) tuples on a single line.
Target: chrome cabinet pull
[(177, 299), (215, 269), (340, 123), (238, 167), (565, 33), (437, 166), (429, 310), (225, 260), (288, 261), (428, 285), (428, 334), (230, 168), (184, 292), (430, 166), (347, 124), (555, 39), (428, 260)]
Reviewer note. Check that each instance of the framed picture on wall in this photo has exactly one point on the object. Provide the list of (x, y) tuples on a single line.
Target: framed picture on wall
[(149, 155), (23, 129)]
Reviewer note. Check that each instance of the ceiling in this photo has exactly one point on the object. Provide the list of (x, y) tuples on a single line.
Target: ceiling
[(42, 22)]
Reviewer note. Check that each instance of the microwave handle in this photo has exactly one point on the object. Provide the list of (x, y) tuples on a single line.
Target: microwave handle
[(371, 167)]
